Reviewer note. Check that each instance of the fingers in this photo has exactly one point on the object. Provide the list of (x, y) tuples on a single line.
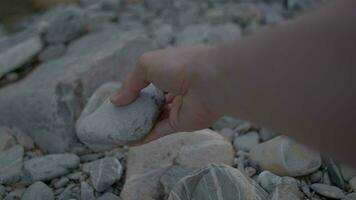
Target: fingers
[(131, 88)]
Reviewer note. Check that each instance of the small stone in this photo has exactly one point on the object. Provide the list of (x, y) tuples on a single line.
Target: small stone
[(328, 191), (67, 193), (326, 179), (66, 24), (61, 182), (250, 171), (203, 184), (164, 35), (228, 134), (284, 192), (90, 157), (15, 194), (52, 52), (75, 176), (351, 196), (267, 134), (2, 190), (11, 163), (109, 126), (86, 191), (38, 191), (105, 172), (246, 142), (50, 166), (226, 122), (352, 183), (347, 172), (24, 139), (334, 173), (316, 176), (108, 196), (285, 157), (268, 180), (6, 139), (171, 177)]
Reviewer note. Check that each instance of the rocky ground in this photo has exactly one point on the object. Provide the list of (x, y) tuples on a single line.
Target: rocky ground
[(61, 139)]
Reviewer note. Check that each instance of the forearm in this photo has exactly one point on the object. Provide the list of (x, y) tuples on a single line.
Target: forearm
[(296, 78)]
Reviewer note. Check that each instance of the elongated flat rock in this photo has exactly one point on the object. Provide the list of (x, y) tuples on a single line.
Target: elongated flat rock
[(109, 126)]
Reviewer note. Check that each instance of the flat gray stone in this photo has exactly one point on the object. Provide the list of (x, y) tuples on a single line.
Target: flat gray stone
[(38, 191), (328, 191), (109, 126), (216, 181), (105, 172), (19, 54), (50, 99), (86, 191), (247, 141), (11, 164), (285, 157), (50, 166)]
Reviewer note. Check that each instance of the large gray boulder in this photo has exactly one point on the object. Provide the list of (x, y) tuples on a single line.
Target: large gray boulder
[(168, 159), (217, 181), (47, 103), (109, 126)]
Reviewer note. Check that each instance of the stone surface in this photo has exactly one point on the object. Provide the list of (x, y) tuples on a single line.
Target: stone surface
[(334, 173), (328, 191), (216, 181), (316, 176), (11, 164), (267, 134), (147, 163), (52, 52), (171, 176), (268, 180), (108, 196), (48, 101), (164, 35), (285, 157), (206, 34), (246, 142), (351, 196), (110, 126), (6, 138), (18, 53), (38, 191), (352, 183), (50, 166), (65, 24), (284, 192), (23, 139), (86, 191), (105, 172), (347, 172), (228, 134)]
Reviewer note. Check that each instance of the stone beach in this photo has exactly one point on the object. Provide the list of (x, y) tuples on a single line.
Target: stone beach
[(62, 139)]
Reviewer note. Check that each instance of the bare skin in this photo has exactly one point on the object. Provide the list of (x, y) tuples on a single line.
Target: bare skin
[(296, 78)]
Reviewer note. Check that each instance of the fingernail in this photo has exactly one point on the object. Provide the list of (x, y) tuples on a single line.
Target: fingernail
[(116, 99)]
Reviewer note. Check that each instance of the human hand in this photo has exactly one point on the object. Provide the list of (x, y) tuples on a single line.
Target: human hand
[(175, 72)]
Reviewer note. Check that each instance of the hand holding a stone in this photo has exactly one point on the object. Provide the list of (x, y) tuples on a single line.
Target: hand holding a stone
[(174, 71)]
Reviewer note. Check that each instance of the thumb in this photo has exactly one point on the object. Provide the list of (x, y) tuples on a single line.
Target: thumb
[(131, 87)]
